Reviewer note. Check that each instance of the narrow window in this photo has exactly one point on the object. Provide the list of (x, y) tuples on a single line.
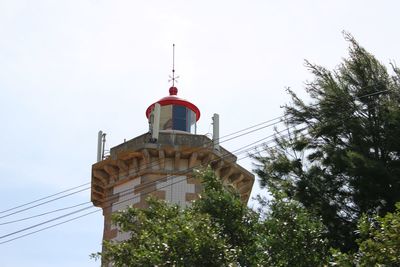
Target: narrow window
[(179, 121)]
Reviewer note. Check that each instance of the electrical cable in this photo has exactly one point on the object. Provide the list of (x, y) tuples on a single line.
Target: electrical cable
[(266, 126), (74, 212), (42, 203), (72, 219), (239, 131), (63, 216), (152, 164), (92, 212), (43, 198), (157, 163), (248, 128), (48, 227), (258, 124), (172, 176), (46, 213)]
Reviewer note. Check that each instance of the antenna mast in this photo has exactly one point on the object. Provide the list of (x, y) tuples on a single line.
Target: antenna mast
[(173, 65), (173, 78), (101, 143)]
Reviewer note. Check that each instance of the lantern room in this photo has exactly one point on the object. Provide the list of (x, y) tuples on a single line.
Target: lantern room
[(172, 113)]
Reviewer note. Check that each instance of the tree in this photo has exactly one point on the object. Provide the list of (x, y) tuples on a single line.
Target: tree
[(379, 242), (218, 230), (291, 236), (237, 223), (165, 235), (341, 155)]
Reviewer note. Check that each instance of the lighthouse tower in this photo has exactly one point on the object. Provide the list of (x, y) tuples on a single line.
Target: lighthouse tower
[(161, 163)]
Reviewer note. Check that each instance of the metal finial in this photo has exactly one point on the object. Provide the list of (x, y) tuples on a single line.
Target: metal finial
[(173, 78)]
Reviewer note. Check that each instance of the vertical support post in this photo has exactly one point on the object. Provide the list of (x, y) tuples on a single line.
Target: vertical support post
[(215, 119), (99, 145), (104, 146), (156, 122)]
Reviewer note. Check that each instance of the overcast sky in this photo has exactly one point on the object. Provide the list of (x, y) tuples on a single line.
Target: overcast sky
[(70, 68)]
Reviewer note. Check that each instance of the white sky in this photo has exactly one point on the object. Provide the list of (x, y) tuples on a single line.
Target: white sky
[(71, 68)]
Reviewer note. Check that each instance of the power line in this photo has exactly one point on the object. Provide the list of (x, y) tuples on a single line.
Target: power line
[(42, 203), (156, 181), (239, 131), (43, 198), (69, 220), (124, 201), (86, 214), (236, 152), (188, 170), (48, 221), (149, 166), (80, 210), (157, 163), (248, 128), (45, 213), (48, 227), (254, 131)]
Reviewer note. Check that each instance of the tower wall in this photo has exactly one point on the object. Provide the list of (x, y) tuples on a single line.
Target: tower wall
[(138, 168)]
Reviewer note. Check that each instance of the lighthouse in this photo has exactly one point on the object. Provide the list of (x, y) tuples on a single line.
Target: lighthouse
[(161, 163)]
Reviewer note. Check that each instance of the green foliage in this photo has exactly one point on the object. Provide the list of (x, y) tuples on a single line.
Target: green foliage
[(218, 230), (292, 236), (343, 159), (341, 259), (238, 224), (165, 235), (379, 242)]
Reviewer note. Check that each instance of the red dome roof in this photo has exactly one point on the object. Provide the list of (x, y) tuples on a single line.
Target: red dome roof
[(172, 99)]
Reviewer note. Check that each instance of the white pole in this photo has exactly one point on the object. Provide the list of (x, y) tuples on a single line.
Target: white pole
[(215, 119), (99, 145), (103, 147), (156, 122)]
